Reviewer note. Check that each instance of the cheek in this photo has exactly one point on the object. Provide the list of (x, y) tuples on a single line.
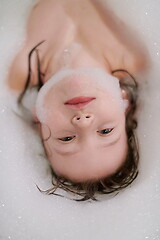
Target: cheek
[(54, 113), (111, 108), (55, 120)]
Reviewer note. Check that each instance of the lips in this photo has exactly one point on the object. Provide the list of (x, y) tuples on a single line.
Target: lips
[(79, 102)]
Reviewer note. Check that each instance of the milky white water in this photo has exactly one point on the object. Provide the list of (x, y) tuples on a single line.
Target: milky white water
[(27, 214)]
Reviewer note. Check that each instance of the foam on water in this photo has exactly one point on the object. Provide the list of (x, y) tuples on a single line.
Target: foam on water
[(27, 214)]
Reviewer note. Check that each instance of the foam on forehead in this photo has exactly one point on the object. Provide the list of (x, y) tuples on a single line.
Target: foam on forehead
[(99, 78)]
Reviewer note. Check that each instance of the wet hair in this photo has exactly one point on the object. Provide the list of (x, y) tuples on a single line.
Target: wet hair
[(127, 172)]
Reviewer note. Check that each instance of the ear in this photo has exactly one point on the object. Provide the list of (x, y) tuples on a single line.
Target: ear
[(124, 94), (37, 124), (35, 118), (125, 100)]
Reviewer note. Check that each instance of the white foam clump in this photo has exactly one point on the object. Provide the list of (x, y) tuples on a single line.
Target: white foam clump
[(98, 77)]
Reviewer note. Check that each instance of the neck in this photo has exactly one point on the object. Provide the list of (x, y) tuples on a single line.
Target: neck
[(75, 56)]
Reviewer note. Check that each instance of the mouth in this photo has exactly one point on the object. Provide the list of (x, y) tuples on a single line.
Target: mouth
[(79, 102)]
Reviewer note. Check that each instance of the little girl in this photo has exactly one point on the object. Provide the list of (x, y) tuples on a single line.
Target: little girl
[(82, 61)]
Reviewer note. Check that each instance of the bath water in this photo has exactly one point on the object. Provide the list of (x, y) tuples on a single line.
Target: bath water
[(27, 214)]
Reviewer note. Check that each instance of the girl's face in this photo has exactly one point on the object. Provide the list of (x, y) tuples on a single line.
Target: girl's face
[(84, 127)]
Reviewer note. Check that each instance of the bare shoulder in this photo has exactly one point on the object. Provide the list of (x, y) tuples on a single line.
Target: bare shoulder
[(126, 49), (19, 69), (43, 18), (17, 72)]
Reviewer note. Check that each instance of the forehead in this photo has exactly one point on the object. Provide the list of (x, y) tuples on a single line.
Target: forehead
[(90, 162)]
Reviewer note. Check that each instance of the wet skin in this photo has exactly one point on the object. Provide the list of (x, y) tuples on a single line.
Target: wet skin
[(88, 141), (93, 39)]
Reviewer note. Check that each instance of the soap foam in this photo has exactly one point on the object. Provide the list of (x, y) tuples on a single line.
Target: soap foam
[(27, 214), (97, 77)]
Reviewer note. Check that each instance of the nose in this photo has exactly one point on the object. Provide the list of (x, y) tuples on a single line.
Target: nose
[(83, 120)]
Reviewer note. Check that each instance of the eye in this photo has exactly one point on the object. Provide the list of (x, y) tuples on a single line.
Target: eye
[(67, 139), (105, 131)]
